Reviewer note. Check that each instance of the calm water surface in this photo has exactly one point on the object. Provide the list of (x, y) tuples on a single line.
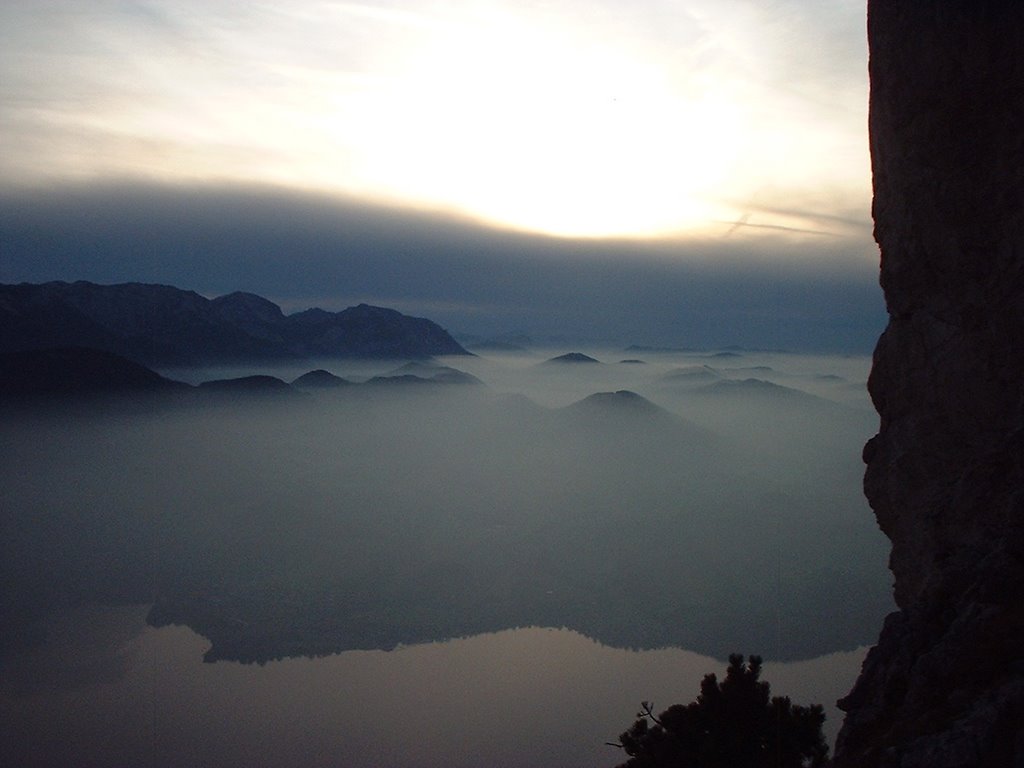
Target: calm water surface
[(107, 690)]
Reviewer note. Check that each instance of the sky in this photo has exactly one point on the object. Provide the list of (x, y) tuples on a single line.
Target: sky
[(688, 172)]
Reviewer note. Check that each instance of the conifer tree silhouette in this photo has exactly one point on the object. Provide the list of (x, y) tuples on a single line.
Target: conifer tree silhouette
[(732, 724)]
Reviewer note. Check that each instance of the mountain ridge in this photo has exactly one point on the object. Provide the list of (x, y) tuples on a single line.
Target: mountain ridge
[(157, 324)]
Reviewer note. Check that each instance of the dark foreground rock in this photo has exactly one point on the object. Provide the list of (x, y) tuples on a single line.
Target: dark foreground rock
[(944, 687)]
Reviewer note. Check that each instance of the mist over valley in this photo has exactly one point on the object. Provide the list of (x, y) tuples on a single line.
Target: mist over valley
[(683, 502), (554, 513)]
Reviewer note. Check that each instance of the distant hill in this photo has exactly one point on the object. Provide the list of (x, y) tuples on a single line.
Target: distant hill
[(571, 358), (163, 325), (320, 379), (632, 418), (69, 373), (622, 401)]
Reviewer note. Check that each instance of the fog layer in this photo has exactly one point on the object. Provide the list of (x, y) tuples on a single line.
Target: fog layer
[(711, 504)]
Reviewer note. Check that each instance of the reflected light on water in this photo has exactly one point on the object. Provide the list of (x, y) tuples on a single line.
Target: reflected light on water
[(108, 690)]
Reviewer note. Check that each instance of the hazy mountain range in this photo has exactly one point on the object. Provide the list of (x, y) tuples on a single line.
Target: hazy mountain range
[(80, 372), (162, 325)]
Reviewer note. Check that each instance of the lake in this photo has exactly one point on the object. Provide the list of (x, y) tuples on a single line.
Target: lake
[(107, 690), (491, 572)]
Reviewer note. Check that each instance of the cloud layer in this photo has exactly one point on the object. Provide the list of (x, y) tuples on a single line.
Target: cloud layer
[(568, 118), (777, 289)]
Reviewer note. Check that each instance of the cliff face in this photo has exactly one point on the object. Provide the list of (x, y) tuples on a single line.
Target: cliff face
[(945, 475)]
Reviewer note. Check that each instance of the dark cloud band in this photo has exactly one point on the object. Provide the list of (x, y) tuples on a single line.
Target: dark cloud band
[(769, 290)]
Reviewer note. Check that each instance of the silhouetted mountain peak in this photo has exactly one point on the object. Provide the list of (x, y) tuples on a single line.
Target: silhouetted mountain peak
[(632, 417), (572, 358), (162, 325), (319, 379), (247, 307), (622, 401), (369, 312)]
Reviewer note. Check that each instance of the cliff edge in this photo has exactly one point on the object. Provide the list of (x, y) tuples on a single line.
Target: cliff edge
[(944, 686)]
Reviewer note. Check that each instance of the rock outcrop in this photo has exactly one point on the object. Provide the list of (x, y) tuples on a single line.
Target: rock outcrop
[(944, 686)]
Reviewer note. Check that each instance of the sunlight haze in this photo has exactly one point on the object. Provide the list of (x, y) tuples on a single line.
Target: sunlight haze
[(572, 119), (382, 380)]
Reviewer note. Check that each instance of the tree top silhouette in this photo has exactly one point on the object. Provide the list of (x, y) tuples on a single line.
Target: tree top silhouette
[(735, 723)]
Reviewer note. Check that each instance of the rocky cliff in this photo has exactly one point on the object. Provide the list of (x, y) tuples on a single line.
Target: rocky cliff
[(945, 475)]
